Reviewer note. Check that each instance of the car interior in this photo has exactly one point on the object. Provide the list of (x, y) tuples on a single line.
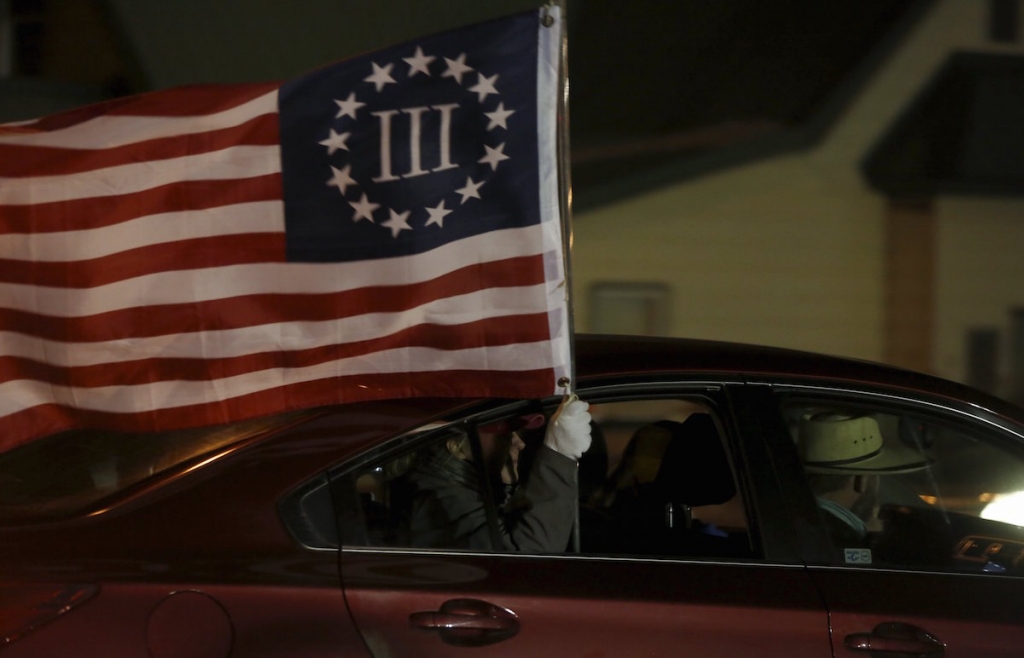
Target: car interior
[(942, 515), (657, 481)]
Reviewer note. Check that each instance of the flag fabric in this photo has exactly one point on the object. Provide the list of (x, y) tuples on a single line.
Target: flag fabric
[(385, 227)]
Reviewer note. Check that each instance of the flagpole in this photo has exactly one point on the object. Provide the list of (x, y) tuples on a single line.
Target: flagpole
[(565, 184), (565, 213)]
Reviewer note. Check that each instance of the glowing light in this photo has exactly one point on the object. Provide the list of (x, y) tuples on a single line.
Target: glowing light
[(1008, 508)]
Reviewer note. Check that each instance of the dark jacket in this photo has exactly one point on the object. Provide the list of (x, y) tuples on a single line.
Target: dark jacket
[(448, 510)]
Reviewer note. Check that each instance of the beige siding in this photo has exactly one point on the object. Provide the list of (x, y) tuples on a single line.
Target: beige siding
[(980, 275), (761, 254), (792, 251)]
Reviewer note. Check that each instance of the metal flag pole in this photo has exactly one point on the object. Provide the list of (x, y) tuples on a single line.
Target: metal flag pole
[(565, 214), (564, 178)]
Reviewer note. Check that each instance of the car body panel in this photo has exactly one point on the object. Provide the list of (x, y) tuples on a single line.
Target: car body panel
[(590, 607), (213, 528), (970, 615)]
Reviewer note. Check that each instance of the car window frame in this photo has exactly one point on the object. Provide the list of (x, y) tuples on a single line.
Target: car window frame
[(744, 441), (978, 420)]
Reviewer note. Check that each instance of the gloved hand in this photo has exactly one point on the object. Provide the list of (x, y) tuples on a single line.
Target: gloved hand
[(569, 428)]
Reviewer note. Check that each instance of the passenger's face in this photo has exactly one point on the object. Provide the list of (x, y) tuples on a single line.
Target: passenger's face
[(501, 454)]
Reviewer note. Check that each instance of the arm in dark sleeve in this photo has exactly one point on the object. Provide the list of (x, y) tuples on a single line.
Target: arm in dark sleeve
[(538, 519), (541, 514)]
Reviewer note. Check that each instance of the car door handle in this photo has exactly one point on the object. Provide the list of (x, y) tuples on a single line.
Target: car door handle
[(468, 622), (896, 639)]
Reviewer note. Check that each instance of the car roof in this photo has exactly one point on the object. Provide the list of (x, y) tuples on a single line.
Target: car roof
[(606, 355)]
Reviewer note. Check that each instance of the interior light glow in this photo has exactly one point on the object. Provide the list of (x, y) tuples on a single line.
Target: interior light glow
[(1008, 508)]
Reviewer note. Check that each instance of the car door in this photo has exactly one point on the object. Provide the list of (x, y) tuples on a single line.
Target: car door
[(702, 579), (939, 568)]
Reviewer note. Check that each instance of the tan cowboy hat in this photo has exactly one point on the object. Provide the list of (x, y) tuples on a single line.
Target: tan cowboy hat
[(852, 445)]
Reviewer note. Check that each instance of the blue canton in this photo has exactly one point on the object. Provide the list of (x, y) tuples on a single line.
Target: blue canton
[(403, 150)]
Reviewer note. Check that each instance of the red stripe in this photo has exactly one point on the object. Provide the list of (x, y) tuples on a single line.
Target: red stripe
[(18, 160), (507, 330), (215, 251), (109, 210), (179, 101), (22, 427), (194, 100), (254, 310)]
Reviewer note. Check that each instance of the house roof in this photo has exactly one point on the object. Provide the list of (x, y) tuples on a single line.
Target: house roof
[(660, 91), (690, 88), (962, 135)]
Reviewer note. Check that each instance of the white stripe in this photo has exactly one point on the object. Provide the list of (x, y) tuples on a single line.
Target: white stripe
[(110, 131), (63, 246), (226, 164), (459, 309), (16, 124), (20, 395), (189, 286)]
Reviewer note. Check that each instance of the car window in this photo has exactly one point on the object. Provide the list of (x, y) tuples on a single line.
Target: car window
[(657, 481), (905, 489), (670, 489)]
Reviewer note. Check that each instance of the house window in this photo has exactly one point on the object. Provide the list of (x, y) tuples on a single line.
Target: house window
[(21, 37), (1004, 20), (633, 308), (1017, 355), (983, 359)]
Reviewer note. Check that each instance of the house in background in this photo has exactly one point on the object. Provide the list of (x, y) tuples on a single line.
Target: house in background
[(896, 235), (838, 177)]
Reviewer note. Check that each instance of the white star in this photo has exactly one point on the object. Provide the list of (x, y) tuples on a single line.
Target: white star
[(498, 117), (494, 156), (471, 190), (456, 67), (336, 141), (341, 178), (438, 214), (380, 76), (364, 209), (419, 63), (348, 106), (398, 222), (484, 86)]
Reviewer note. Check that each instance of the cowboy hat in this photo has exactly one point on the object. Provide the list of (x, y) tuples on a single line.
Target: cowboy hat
[(852, 445)]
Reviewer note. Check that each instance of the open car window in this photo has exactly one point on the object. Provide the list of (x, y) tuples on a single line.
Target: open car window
[(898, 488), (658, 481), (669, 488)]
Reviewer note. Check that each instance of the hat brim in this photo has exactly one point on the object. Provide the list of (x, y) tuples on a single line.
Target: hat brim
[(889, 461)]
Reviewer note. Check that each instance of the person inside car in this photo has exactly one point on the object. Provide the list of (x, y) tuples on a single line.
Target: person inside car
[(845, 458), (535, 513)]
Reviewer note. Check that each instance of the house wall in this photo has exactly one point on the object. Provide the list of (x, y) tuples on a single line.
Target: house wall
[(758, 254), (980, 279), (792, 251)]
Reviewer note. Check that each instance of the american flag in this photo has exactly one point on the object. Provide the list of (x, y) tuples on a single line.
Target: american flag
[(385, 227)]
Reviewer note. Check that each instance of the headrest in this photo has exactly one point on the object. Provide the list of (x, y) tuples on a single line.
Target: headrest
[(644, 452), (694, 468)]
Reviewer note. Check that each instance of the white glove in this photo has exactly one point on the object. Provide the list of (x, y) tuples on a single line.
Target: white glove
[(569, 428)]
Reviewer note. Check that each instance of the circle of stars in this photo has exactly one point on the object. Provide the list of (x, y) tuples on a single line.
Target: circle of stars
[(420, 63)]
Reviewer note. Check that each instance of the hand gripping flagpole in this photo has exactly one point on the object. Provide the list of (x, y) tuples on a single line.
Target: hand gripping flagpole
[(565, 212)]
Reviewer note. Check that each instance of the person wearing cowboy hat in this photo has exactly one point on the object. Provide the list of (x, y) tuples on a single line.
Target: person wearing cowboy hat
[(844, 456)]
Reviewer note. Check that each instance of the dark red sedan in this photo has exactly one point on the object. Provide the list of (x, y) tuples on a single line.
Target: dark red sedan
[(736, 501)]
